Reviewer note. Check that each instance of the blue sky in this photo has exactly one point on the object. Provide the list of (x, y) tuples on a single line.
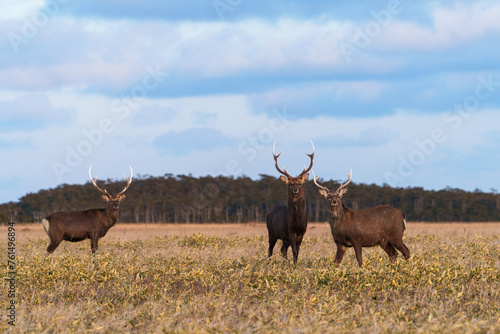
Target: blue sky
[(405, 93)]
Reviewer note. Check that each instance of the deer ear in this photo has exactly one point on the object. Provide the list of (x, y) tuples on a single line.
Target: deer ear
[(305, 177), (121, 198), (284, 179), (106, 198), (323, 193), (342, 192)]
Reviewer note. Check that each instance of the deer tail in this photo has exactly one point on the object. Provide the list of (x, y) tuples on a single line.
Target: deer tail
[(45, 224)]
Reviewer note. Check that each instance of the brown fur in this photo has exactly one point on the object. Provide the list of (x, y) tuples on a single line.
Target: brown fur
[(378, 226), (80, 225), (289, 223), (90, 224)]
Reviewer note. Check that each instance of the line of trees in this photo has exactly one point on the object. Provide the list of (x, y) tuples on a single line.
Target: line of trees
[(186, 199)]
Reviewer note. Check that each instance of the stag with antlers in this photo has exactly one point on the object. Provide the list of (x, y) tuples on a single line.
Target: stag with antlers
[(381, 225), (90, 224), (289, 222)]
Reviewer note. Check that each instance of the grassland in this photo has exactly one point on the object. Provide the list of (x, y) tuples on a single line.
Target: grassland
[(223, 282)]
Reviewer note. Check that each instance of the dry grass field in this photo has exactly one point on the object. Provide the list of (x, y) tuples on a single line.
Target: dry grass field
[(151, 231), (154, 278)]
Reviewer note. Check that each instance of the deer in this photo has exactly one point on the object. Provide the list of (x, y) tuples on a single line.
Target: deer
[(91, 224), (289, 222), (381, 225)]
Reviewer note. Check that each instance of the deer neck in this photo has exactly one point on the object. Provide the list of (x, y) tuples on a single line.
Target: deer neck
[(297, 205), (111, 215), (338, 217)]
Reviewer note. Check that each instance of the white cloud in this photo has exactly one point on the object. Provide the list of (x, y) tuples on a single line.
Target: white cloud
[(15, 9), (451, 26), (31, 111), (229, 114), (466, 21), (103, 53), (371, 146), (84, 65), (115, 52), (342, 144), (360, 90)]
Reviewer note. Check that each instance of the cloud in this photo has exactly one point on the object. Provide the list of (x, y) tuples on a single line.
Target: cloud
[(32, 111), (11, 9), (13, 144), (230, 51), (251, 55), (188, 141), (155, 9), (376, 136), (154, 114), (448, 27), (262, 71), (220, 10), (230, 11)]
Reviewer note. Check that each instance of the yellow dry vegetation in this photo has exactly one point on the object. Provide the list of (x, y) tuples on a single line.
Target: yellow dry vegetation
[(211, 284)]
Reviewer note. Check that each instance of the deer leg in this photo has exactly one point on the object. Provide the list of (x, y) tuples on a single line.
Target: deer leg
[(52, 246), (284, 248), (359, 253), (389, 249), (299, 242), (272, 242), (295, 247), (403, 249), (93, 243), (340, 253)]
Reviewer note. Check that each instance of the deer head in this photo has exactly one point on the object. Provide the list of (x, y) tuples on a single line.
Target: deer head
[(113, 201), (333, 198), (294, 183)]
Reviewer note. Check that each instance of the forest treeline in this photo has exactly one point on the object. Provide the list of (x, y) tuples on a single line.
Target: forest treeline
[(188, 199)]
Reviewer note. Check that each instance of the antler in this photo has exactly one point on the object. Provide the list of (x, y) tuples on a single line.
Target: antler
[(342, 186), (284, 172), (276, 163), (319, 185), (105, 192), (312, 161), (129, 181)]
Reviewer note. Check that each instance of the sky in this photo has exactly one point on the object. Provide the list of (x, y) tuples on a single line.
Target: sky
[(405, 93)]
